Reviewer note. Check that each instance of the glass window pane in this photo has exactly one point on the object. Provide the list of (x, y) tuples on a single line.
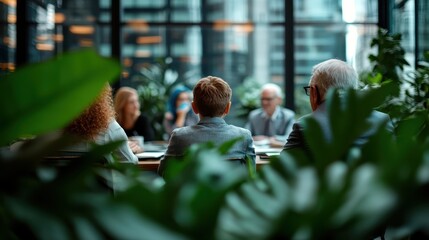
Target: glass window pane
[(43, 46), (336, 11), (237, 11), (358, 41), (317, 43), (423, 31), (233, 52), (59, 26), (360, 11), (186, 11), (7, 36), (314, 44), (317, 10), (404, 23)]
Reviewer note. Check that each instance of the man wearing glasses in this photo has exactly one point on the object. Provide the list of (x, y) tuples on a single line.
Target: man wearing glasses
[(330, 73), (271, 124)]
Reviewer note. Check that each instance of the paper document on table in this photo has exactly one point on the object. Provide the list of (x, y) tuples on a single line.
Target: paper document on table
[(148, 155), (273, 154), (267, 150), (267, 155)]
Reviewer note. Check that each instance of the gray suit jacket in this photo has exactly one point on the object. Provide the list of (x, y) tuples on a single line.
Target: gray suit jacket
[(282, 122), (296, 137), (208, 129)]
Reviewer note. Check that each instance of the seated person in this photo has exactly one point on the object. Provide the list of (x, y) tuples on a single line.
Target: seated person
[(179, 112), (97, 124), (212, 101), (128, 115), (272, 122), (328, 74)]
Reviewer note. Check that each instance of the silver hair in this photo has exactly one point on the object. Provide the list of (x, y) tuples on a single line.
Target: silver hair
[(275, 87), (333, 73)]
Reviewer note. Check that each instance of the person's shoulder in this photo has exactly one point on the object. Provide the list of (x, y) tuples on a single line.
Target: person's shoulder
[(114, 126), (239, 130), (288, 112), (183, 131), (191, 114), (301, 119), (255, 112), (114, 132)]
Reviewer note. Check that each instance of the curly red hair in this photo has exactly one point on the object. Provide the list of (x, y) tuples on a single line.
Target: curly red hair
[(94, 119)]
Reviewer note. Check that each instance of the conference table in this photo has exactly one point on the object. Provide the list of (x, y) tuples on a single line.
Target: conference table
[(149, 160)]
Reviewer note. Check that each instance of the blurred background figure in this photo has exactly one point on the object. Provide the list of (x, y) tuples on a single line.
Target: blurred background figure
[(179, 112), (128, 115), (271, 124), (97, 124)]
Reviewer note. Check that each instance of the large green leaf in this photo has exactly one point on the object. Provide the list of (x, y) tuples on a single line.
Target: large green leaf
[(46, 96)]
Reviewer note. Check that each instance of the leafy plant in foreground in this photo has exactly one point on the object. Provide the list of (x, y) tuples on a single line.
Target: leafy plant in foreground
[(343, 193), (346, 193), (39, 201)]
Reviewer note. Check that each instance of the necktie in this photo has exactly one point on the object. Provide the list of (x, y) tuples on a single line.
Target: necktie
[(267, 127)]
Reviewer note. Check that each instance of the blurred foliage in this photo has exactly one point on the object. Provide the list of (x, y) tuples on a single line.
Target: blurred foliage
[(154, 87), (194, 191), (248, 96), (343, 193), (389, 60), (409, 101), (40, 200), (29, 98)]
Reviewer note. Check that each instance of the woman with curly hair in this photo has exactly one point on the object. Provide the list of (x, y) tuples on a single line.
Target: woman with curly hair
[(97, 124)]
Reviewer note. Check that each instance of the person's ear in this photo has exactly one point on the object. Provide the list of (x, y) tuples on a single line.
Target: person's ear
[(194, 107), (314, 98), (227, 108)]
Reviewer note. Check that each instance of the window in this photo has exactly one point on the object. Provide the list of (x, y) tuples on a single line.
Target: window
[(236, 40)]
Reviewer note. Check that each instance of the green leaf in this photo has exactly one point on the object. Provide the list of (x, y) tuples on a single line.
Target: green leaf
[(375, 79), (45, 96), (132, 225), (413, 125)]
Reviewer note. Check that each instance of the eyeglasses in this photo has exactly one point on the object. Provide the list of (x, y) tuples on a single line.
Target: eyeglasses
[(307, 90), (267, 99)]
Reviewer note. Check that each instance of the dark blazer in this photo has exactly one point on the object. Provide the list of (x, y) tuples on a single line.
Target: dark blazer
[(142, 127), (296, 137)]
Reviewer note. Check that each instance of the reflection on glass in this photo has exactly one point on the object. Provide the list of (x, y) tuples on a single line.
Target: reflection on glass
[(7, 36), (360, 11), (234, 52), (315, 44), (317, 10), (404, 23), (186, 11), (423, 31), (194, 11), (358, 40), (336, 11), (234, 39)]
